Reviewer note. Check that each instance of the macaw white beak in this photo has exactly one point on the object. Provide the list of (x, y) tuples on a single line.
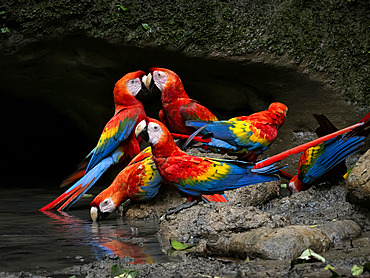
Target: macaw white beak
[(147, 80), (94, 213), (140, 129)]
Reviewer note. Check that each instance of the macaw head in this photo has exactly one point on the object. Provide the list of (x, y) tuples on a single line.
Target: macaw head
[(167, 82), (153, 131), (107, 202), (295, 185), (129, 88), (157, 135), (280, 110)]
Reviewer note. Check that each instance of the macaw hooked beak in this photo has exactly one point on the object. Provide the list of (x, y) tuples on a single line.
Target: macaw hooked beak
[(150, 84), (96, 215), (148, 81), (142, 130), (144, 92)]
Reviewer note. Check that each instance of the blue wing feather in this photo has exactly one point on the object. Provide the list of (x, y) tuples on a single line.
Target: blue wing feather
[(334, 153), (241, 174), (124, 130)]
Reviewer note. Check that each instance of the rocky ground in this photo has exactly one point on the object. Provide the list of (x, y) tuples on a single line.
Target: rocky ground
[(258, 233)]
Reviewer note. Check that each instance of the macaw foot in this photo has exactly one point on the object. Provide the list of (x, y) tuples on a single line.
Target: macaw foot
[(185, 205)]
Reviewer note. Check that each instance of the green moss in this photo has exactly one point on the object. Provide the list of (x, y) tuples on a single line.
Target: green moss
[(332, 37)]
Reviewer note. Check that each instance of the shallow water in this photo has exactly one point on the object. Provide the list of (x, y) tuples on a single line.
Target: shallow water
[(36, 242)]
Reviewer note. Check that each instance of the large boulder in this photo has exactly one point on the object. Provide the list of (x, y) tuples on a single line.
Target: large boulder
[(358, 182), (215, 219), (284, 243)]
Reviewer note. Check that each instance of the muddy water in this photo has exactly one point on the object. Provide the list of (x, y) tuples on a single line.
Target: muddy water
[(41, 242)]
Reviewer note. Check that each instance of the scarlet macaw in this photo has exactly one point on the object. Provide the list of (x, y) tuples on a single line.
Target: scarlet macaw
[(197, 175), (177, 107), (138, 181), (117, 143), (326, 160), (245, 136)]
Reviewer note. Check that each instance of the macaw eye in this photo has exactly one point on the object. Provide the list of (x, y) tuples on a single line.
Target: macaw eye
[(159, 74), (132, 81), (155, 127)]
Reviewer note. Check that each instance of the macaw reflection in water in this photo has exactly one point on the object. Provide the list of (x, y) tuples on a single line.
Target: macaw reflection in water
[(112, 240)]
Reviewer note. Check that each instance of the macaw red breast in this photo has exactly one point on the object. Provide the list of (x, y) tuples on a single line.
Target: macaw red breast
[(178, 111)]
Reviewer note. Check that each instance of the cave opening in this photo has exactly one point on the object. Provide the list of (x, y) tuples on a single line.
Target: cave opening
[(57, 97), (40, 145)]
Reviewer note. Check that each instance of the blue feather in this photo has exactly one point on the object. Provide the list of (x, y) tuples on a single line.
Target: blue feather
[(124, 130), (334, 153), (93, 175), (220, 144)]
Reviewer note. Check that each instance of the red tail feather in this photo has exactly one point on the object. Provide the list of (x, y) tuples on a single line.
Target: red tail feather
[(73, 196), (365, 119), (303, 147), (285, 175), (73, 177), (215, 198), (79, 173), (184, 136), (58, 200)]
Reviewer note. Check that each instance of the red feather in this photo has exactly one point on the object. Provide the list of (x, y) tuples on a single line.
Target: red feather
[(176, 104), (303, 147)]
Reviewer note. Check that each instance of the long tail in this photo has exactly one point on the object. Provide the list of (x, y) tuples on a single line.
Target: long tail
[(75, 192), (78, 173), (195, 138), (285, 175), (326, 126), (260, 175), (362, 130), (303, 147)]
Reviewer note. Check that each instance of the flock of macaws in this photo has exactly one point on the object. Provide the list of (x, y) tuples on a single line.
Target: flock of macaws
[(197, 177)]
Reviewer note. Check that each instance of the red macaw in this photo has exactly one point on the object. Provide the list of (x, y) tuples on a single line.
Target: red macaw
[(117, 143), (177, 107), (245, 136), (197, 175), (138, 181), (326, 160)]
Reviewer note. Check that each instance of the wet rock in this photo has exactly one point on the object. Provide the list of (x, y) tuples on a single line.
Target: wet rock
[(339, 230), (358, 182), (284, 243), (315, 206), (213, 220), (166, 198), (254, 195)]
